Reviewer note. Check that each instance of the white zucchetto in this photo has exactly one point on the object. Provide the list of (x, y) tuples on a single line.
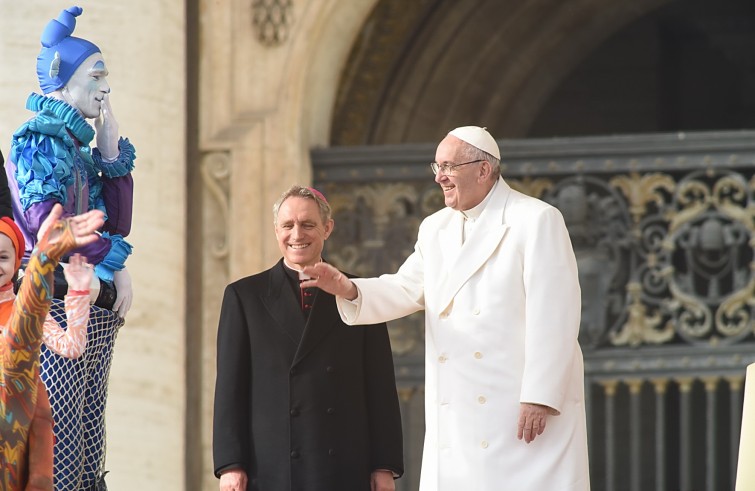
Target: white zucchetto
[(479, 138)]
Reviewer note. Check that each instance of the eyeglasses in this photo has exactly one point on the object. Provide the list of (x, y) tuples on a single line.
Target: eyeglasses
[(448, 168)]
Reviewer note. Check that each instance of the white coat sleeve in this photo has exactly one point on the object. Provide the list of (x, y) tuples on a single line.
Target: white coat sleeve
[(553, 309), (389, 296)]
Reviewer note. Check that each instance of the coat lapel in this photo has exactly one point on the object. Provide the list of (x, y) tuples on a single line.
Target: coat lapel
[(477, 248), (450, 238), (283, 304), (323, 319)]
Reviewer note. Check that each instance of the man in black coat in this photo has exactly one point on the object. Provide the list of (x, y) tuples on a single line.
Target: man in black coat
[(303, 402)]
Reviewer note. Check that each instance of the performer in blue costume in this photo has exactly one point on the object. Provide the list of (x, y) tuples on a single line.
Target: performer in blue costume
[(51, 162)]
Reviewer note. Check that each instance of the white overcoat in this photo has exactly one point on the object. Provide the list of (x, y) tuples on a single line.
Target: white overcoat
[(502, 317)]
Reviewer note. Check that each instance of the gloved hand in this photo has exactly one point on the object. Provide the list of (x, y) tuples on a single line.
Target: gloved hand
[(107, 131), (94, 289), (124, 293)]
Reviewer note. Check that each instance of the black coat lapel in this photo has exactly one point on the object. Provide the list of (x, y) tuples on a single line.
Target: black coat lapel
[(323, 319), (283, 304)]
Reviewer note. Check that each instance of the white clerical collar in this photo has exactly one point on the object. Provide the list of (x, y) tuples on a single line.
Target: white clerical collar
[(302, 276), (474, 213)]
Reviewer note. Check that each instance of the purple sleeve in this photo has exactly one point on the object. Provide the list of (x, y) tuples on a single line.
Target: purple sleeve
[(118, 194), (37, 213)]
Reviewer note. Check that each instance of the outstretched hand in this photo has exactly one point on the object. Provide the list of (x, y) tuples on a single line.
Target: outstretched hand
[(84, 226), (329, 279)]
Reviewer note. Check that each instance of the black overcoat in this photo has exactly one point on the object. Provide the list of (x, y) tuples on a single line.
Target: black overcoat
[(316, 412)]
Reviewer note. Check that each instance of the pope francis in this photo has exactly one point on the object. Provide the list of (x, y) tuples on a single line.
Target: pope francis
[(496, 275)]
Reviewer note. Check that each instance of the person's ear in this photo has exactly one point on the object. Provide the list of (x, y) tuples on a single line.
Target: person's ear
[(485, 169), (329, 226)]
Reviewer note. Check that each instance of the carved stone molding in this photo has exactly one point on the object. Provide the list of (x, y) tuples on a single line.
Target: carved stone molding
[(216, 173), (403, 78), (272, 20), (379, 47)]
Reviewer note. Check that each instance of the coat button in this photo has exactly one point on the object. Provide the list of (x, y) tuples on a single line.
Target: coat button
[(294, 412), (476, 311), (330, 369), (442, 359), (330, 410), (331, 452), (484, 444), (481, 400), (294, 454), (477, 355)]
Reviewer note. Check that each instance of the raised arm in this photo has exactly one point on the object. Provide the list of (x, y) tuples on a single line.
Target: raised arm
[(24, 332), (327, 278), (71, 342)]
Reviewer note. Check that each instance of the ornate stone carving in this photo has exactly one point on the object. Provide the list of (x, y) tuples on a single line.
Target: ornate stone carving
[(272, 20), (216, 172)]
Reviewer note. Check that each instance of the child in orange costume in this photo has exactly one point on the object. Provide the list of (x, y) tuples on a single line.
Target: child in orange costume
[(68, 342), (25, 416)]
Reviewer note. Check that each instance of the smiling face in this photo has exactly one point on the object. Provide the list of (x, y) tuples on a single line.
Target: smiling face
[(88, 86), (466, 186), (7, 260), (301, 232)]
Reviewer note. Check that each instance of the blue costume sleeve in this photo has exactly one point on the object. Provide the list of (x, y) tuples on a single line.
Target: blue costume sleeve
[(115, 259), (120, 166)]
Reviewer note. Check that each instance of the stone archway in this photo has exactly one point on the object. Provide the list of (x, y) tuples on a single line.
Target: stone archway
[(416, 72), (490, 62)]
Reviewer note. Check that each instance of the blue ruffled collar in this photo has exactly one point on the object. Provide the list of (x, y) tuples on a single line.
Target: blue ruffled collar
[(73, 120)]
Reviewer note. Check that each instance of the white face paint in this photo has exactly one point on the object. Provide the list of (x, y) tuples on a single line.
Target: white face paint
[(88, 86)]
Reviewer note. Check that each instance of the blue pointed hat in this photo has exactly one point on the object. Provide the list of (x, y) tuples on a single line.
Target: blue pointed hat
[(61, 53)]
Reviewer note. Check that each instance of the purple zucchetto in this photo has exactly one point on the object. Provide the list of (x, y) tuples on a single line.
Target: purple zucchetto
[(61, 53)]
